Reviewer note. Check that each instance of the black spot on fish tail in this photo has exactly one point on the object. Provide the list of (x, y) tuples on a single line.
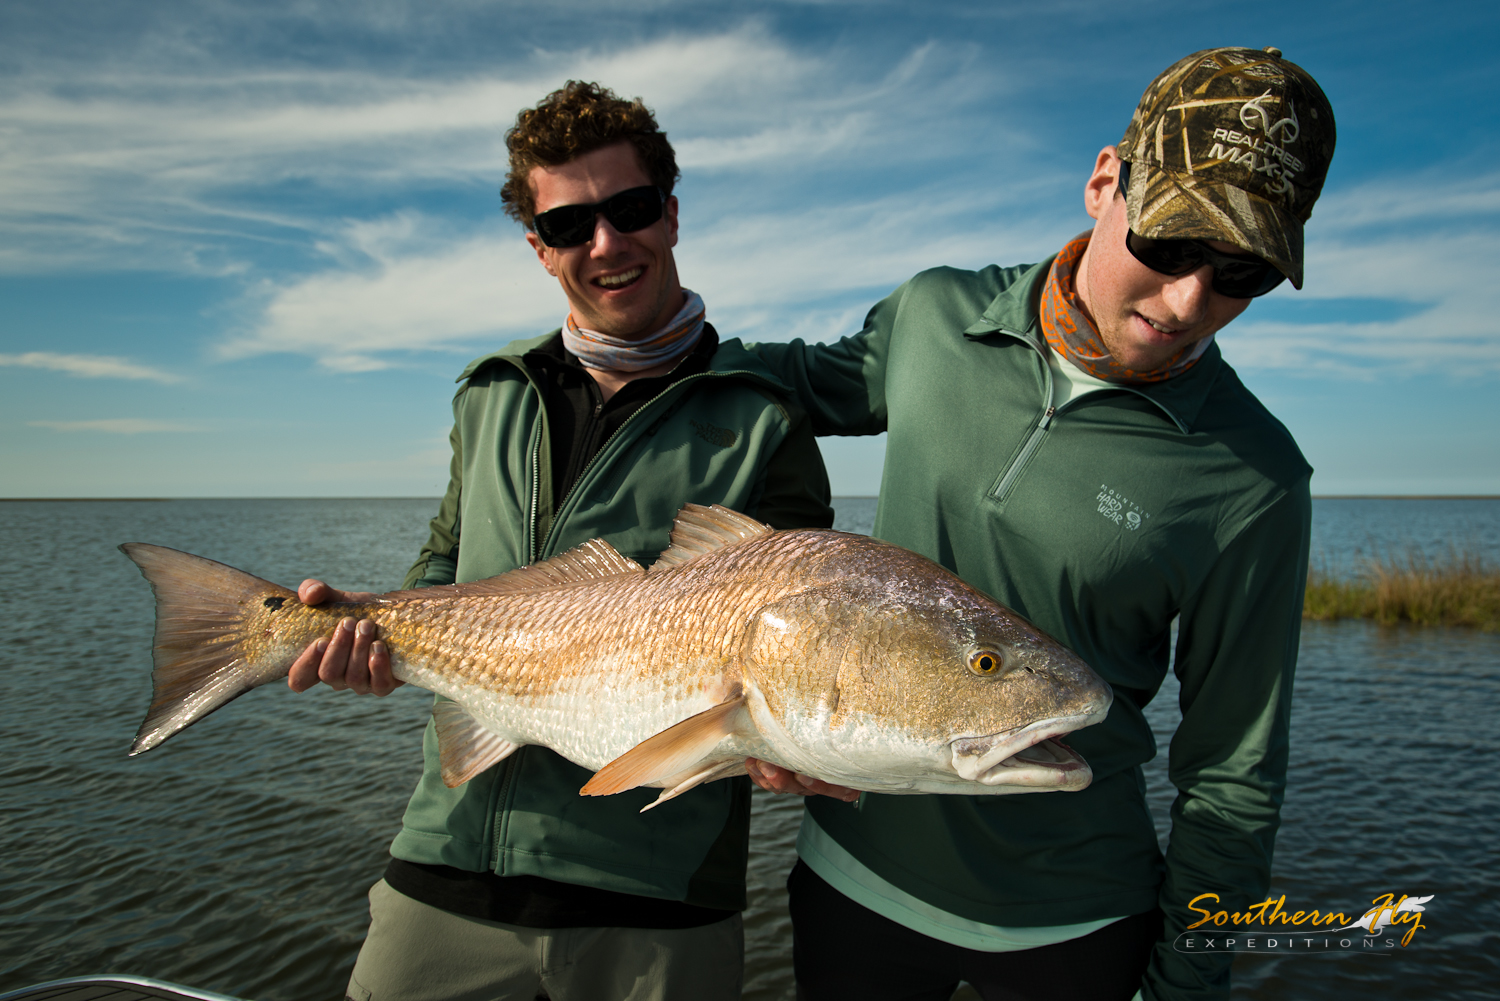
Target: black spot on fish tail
[(274, 604)]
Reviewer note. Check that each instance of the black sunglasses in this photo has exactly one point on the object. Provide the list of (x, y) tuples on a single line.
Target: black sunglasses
[(627, 211), (1235, 276)]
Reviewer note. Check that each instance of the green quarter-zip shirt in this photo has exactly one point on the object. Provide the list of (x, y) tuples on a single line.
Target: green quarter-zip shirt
[(1101, 520)]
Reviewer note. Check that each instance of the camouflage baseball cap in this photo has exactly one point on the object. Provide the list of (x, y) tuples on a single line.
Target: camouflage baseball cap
[(1236, 143)]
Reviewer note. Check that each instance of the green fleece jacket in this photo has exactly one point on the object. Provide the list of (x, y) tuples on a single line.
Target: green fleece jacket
[(726, 436), (1101, 522)]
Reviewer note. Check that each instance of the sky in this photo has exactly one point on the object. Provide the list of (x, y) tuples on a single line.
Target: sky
[(246, 247)]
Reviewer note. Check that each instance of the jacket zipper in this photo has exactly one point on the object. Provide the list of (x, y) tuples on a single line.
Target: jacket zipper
[(1044, 422), (1013, 472), (499, 861), (1034, 439), (536, 465), (589, 466), (590, 438)]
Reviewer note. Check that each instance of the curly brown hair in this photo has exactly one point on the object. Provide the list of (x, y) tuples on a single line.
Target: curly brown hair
[(579, 118)]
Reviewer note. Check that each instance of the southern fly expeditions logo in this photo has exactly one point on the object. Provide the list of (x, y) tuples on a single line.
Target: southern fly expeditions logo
[(1268, 927)]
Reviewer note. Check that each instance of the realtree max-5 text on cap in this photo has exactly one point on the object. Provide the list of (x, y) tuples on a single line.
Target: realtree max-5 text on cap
[(1230, 144)]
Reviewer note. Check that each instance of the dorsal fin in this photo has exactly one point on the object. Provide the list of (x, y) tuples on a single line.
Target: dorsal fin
[(592, 561), (698, 530)]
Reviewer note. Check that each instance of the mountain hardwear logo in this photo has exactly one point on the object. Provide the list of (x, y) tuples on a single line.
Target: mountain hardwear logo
[(1120, 509)]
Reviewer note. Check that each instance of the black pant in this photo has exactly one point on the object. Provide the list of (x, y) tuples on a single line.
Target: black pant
[(841, 949)]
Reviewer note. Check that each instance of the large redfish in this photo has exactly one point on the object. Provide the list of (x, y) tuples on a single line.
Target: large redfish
[(835, 655)]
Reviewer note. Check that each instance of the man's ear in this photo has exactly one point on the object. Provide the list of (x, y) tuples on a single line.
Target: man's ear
[(542, 252), (1102, 182), (670, 211)]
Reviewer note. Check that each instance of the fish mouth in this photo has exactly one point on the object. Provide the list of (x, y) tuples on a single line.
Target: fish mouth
[(1031, 756)]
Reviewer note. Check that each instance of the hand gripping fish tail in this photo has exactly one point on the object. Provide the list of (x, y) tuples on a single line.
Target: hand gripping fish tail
[(837, 656)]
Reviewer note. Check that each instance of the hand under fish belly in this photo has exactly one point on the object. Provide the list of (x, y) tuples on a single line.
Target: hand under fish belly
[(836, 656)]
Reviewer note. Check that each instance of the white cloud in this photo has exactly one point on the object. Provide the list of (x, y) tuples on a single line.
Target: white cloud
[(115, 425), (155, 171), (740, 102), (1428, 198), (422, 293), (88, 366), (812, 271), (176, 172), (1416, 240), (783, 260), (765, 277)]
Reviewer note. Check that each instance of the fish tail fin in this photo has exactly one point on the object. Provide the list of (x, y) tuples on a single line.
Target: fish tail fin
[(202, 655)]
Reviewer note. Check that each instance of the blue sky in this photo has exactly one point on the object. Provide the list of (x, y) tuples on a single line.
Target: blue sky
[(247, 246)]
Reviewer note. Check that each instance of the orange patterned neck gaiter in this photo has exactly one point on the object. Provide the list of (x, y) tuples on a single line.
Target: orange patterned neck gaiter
[(1073, 335)]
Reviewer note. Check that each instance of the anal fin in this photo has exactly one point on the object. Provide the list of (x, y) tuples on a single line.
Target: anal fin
[(673, 752), (466, 746), (682, 783)]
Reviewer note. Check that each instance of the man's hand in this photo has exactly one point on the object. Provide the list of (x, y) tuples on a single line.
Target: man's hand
[(774, 778), (354, 658)]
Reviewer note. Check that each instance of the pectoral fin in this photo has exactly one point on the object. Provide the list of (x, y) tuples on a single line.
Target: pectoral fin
[(673, 752), (466, 747)]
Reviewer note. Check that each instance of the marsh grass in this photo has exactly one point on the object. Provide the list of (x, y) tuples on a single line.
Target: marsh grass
[(1459, 590)]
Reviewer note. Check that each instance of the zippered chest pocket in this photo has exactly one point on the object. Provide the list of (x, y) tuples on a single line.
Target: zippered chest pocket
[(1013, 469)]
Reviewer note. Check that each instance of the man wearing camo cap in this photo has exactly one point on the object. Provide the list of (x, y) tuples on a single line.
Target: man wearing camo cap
[(1067, 437)]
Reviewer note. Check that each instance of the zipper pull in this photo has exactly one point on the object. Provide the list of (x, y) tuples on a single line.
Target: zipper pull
[(598, 409), (1047, 417)]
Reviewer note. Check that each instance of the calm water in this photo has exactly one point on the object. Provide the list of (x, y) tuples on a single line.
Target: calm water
[(1348, 531), (236, 857)]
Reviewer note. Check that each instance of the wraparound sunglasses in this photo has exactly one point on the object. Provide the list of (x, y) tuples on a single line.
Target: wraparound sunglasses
[(1235, 276), (627, 211)]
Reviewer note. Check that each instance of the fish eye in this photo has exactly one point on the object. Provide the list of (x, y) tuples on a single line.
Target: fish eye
[(985, 663)]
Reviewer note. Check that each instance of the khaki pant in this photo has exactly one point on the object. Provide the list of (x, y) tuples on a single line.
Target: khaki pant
[(415, 952)]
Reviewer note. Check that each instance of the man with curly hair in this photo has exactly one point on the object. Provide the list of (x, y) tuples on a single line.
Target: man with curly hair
[(512, 885)]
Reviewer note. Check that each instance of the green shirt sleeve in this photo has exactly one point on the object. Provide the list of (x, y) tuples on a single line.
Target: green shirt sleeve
[(841, 385), (1236, 656), (438, 562)]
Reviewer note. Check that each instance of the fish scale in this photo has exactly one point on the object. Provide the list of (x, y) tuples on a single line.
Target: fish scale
[(840, 656)]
